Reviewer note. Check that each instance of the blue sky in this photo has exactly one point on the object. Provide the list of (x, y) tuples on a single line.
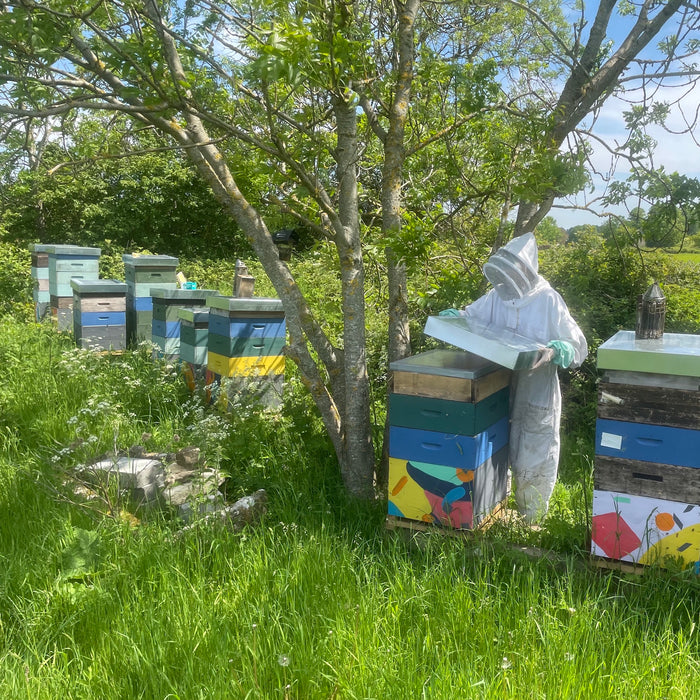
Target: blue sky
[(675, 152)]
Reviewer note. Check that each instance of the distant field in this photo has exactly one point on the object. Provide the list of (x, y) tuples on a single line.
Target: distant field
[(693, 257)]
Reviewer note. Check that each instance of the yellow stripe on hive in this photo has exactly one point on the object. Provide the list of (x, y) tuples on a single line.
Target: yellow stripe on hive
[(245, 366)]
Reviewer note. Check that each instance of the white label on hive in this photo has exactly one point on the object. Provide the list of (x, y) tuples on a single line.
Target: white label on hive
[(614, 442)]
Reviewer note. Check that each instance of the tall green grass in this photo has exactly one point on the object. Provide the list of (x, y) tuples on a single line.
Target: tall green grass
[(319, 600)]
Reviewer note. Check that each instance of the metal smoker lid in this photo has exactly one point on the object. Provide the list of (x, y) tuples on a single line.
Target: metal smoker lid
[(503, 347)]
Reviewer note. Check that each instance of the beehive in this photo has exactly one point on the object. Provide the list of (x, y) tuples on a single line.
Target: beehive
[(40, 279), (245, 346), (166, 324), (143, 272), (99, 314), (448, 438), (66, 263), (646, 504)]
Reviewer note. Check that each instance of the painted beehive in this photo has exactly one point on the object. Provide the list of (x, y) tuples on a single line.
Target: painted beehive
[(167, 303), (647, 464), (143, 272), (194, 334), (68, 262), (99, 314), (40, 279), (448, 438), (245, 346)]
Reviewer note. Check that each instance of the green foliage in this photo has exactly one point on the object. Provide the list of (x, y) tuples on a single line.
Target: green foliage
[(683, 307), (155, 200), (549, 233), (15, 281)]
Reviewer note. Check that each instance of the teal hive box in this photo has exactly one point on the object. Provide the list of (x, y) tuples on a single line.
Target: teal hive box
[(166, 321), (194, 334)]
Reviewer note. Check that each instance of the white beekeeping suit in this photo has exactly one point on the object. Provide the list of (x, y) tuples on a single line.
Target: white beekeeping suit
[(523, 301)]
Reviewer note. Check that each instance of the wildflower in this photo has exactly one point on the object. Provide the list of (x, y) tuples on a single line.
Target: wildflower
[(569, 656), (505, 664), (283, 660)]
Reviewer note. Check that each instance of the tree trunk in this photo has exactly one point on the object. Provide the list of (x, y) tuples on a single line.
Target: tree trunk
[(399, 345), (357, 460)]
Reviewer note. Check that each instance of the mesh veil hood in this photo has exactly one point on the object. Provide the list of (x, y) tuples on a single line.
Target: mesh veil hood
[(513, 269)]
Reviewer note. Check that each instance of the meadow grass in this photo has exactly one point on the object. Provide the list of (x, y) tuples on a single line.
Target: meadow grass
[(318, 600)]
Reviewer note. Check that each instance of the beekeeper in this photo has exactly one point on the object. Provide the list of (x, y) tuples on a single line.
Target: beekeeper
[(523, 301)]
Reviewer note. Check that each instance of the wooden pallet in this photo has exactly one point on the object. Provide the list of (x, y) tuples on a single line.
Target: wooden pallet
[(627, 567), (624, 567)]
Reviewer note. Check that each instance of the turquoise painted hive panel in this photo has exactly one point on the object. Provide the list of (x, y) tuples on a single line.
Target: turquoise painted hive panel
[(245, 347), (193, 354), (460, 417), (197, 337), (673, 353)]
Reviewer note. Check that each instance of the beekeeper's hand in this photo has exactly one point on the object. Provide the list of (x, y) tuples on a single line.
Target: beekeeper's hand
[(544, 356), (563, 352), (450, 312)]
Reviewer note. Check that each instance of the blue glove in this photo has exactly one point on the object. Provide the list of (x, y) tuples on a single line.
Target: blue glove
[(563, 352), (450, 312)]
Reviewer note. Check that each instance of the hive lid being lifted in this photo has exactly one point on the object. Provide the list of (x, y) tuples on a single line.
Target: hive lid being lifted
[(503, 347)]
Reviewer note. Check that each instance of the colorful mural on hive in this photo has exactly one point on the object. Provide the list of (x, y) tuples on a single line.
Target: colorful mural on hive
[(645, 530), (431, 493)]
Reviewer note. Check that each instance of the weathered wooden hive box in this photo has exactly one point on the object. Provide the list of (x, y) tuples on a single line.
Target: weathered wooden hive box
[(646, 499), (166, 326), (448, 438), (68, 262), (99, 314), (40, 279), (143, 272), (245, 345)]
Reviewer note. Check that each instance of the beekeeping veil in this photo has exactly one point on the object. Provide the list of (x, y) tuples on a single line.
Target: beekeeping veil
[(512, 269)]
